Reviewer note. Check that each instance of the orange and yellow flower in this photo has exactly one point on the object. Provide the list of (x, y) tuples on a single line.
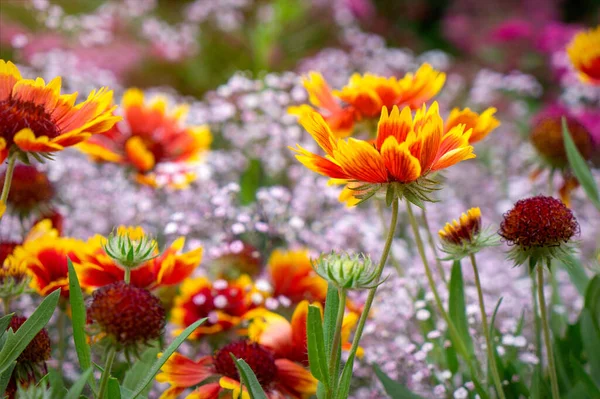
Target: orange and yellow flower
[(44, 254), (463, 230), (96, 269), (480, 124), (368, 93), (151, 138), (405, 149), (36, 119), (293, 277), (584, 52), (225, 303)]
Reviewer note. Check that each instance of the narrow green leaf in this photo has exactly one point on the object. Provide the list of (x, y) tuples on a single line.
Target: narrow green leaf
[(163, 359), (17, 342), (57, 385), (457, 306), (4, 322), (78, 319), (592, 299), (394, 389), (78, 386), (590, 336), (317, 357), (5, 377), (249, 379), (346, 378), (580, 168), (576, 272), (140, 368), (113, 390), (332, 304)]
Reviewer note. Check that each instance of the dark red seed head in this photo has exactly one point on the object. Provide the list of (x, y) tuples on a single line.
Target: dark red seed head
[(260, 360), (39, 349), (29, 188)]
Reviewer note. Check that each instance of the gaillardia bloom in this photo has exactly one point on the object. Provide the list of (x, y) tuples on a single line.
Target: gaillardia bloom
[(279, 376), (224, 303), (293, 277), (538, 227), (36, 119), (480, 124), (464, 236), (13, 275), (404, 152), (155, 144), (44, 255), (584, 52), (96, 269), (30, 190), (127, 315)]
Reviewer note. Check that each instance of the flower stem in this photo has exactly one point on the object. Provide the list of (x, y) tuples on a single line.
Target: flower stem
[(433, 247), (334, 361), (110, 358), (379, 206), (8, 177), (6, 304), (365, 313), (62, 339), (461, 348), (536, 320), (127, 275), (486, 331), (546, 330)]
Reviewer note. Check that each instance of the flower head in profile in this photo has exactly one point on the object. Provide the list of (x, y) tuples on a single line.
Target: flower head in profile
[(584, 52), (95, 268), (292, 276), (13, 274), (404, 152), (37, 120), (346, 271), (157, 145), (30, 190), (540, 228), (465, 236), (129, 316), (224, 303), (130, 247)]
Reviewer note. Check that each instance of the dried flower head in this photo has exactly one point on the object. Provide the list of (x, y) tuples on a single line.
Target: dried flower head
[(130, 247), (128, 315), (538, 227), (346, 271), (260, 360), (30, 189)]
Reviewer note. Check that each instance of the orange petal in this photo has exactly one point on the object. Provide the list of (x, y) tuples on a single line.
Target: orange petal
[(3, 150), (207, 391), (401, 164), (453, 157), (361, 161), (37, 92), (298, 325), (396, 124), (9, 75), (295, 377), (138, 154), (26, 141), (182, 371), (319, 93), (318, 164), (314, 124)]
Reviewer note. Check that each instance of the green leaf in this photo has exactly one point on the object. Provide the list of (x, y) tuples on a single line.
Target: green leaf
[(344, 385), (140, 368), (332, 305), (17, 342), (163, 359), (590, 336), (57, 385), (457, 306), (576, 272), (5, 377), (394, 389), (78, 319), (592, 299), (113, 390), (250, 182), (4, 322), (317, 357), (593, 390), (78, 386), (249, 379), (580, 168)]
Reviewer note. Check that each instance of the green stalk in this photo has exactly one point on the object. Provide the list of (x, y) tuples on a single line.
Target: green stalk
[(431, 241), (546, 330), (334, 361), (110, 358), (6, 304), (379, 206), (8, 177), (486, 331), (536, 320), (365, 313), (127, 275)]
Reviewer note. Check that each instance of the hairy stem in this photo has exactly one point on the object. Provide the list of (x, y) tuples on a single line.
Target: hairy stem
[(546, 330)]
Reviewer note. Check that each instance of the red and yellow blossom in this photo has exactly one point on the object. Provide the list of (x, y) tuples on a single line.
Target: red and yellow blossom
[(464, 229), (339, 118), (225, 303), (480, 124), (151, 138), (405, 149), (368, 93), (44, 255), (96, 269), (36, 119), (293, 277), (584, 52)]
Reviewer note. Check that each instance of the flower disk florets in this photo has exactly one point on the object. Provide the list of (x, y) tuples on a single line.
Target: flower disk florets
[(130, 247), (39, 349), (260, 360), (538, 226), (127, 314), (346, 271)]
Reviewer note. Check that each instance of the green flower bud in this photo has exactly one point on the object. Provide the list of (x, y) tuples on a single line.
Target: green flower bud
[(130, 247), (347, 271)]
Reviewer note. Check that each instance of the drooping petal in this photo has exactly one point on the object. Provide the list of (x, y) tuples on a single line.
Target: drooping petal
[(314, 124), (26, 141), (318, 164)]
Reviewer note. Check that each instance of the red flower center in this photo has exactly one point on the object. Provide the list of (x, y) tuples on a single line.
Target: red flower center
[(6, 248), (16, 115), (29, 188), (228, 299), (260, 360), (39, 349)]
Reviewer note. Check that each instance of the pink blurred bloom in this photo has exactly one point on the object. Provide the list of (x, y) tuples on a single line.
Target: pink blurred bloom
[(512, 30)]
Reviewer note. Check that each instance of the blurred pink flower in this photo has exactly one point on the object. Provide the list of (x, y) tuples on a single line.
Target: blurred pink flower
[(554, 36), (361, 9), (512, 30)]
